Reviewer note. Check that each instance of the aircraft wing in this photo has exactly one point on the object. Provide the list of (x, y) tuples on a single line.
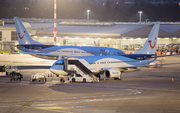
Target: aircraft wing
[(44, 54), (133, 66)]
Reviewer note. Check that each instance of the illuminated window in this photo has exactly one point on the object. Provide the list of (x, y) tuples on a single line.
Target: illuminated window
[(117, 3), (13, 35), (104, 4)]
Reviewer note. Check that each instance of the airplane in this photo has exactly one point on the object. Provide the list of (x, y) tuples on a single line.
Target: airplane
[(111, 66), (34, 48)]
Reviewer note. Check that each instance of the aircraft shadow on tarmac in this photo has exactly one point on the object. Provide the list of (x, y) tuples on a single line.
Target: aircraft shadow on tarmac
[(77, 88), (36, 83)]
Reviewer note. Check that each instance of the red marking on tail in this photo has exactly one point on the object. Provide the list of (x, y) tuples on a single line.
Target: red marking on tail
[(20, 36), (152, 47)]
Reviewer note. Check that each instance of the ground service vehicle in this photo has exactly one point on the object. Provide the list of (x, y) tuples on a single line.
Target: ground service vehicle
[(2, 70), (10, 69), (79, 78), (40, 77), (15, 76)]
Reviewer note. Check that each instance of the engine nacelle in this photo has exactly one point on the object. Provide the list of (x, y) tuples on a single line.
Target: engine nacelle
[(112, 73)]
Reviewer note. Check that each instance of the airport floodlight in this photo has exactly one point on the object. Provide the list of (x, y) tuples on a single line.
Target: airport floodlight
[(88, 11), (140, 12)]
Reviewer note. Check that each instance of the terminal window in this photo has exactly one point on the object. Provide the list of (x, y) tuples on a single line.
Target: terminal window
[(13, 35)]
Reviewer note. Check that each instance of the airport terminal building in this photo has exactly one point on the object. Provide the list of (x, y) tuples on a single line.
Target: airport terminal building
[(121, 35)]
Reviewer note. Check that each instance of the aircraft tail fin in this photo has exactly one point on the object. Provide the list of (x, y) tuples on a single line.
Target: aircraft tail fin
[(150, 44), (22, 34)]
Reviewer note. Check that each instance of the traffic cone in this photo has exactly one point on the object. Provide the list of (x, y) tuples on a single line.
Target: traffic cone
[(104, 79), (172, 79)]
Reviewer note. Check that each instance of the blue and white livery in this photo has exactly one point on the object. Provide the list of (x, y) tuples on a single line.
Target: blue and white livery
[(29, 46), (112, 66)]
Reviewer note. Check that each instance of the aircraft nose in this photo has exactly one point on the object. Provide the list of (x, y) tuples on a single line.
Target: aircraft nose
[(57, 70), (52, 68)]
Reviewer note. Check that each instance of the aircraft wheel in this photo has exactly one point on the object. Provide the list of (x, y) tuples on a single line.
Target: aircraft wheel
[(98, 75), (73, 80), (115, 78), (119, 78), (62, 80), (84, 80)]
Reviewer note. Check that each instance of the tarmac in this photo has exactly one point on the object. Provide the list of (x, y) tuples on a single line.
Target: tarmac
[(145, 90)]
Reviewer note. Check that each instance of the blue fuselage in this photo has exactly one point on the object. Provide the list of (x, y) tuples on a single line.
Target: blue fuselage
[(105, 62), (54, 50)]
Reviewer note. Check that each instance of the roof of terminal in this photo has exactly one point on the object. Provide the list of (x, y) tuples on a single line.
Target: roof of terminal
[(103, 29), (128, 30)]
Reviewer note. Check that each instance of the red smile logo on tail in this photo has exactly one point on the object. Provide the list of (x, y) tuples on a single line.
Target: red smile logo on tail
[(153, 45), (20, 36)]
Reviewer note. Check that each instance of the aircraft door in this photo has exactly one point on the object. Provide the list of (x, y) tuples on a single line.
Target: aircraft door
[(65, 64)]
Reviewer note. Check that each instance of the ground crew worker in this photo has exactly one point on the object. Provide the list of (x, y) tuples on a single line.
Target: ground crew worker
[(12, 76), (19, 76)]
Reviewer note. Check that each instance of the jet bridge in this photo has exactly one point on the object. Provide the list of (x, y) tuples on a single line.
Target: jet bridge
[(80, 66)]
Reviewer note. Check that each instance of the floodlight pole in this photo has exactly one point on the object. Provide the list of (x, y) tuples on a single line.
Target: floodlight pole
[(140, 12), (88, 11), (55, 16)]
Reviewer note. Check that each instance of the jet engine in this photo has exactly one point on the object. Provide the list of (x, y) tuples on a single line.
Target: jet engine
[(112, 73)]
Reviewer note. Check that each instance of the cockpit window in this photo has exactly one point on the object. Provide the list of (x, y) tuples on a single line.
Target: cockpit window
[(58, 63)]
